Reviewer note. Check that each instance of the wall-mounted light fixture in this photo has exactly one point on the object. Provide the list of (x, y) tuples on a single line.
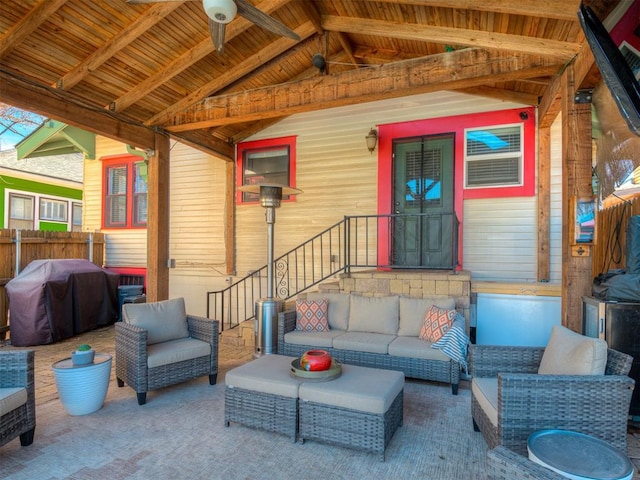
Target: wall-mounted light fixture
[(372, 140)]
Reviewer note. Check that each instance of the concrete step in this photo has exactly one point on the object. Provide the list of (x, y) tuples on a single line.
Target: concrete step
[(242, 335)]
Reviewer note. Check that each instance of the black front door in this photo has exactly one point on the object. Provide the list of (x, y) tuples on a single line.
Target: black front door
[(423, 184)]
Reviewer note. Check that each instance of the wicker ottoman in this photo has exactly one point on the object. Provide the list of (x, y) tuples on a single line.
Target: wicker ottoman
[(361, 409), (263, 394)]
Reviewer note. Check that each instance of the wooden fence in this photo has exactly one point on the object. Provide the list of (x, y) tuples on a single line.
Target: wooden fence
[(19, 247), (609, 250)]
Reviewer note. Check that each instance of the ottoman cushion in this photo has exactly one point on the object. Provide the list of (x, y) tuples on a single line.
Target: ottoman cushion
[(358, 388), (267, 374)]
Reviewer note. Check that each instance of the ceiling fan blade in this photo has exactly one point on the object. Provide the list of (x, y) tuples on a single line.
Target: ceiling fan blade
[(217, 30), (251, 13)]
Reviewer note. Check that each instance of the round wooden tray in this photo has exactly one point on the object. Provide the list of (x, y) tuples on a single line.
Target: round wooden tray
[(331, 373)]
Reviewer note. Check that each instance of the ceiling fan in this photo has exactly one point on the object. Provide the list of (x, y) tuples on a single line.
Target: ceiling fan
[(221, 12)]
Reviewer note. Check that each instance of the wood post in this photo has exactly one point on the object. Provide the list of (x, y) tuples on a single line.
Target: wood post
[(576, 183)]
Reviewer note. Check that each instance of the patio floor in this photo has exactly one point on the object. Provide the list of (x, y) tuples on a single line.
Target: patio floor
[(230, 356)]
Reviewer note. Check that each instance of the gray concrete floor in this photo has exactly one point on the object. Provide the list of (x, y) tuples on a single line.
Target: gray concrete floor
[(230, 356)]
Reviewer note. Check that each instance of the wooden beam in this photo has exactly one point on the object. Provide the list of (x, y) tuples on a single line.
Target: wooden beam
[(206, 142), (502, 94), (550, 105), (28, 24), (128, 34), (447, 71), (64, 107), (241, 69), (451, 36), (544, 204), (564, 10), (197, 53), (576, 183), (158, 221)]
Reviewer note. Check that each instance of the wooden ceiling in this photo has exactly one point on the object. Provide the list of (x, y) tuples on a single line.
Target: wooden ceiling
[(124, 69)]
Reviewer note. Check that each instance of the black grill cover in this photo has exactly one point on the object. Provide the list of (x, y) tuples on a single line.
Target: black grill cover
[(51, 300)]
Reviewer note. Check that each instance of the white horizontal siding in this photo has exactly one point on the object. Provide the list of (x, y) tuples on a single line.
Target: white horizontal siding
[(334, 168), (197, 212), (126, 248), (500, 239)]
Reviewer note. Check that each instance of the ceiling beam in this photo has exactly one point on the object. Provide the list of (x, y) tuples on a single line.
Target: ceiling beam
[(564, 10), (502, 94), (127, 35), (551, 104), (452, 36), (186, 60), (28, 24), (238, 71), (447, 71), (64, 107)]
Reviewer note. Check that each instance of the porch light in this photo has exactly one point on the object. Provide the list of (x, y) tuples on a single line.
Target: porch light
[(372, 140), (267, 309)]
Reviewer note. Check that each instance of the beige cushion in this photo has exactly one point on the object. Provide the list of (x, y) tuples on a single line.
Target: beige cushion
[(413, 311), (485, 391), (12, 398), (163, 321), (363, 389), (315, 339), (338, 309), (374, 314), (364, 342), (268, 374), (174, 351), (569, 353), (413, 347)]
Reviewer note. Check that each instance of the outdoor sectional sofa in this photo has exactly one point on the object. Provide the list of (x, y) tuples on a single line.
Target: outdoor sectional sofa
[(378, 332)]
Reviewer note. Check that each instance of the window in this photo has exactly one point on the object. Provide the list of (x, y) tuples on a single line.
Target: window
[(76, 217), (125, 192), (494, 157), (21, 211), (53, 210), (266, 161)]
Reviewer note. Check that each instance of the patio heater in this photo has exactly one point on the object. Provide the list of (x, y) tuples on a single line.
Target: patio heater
[(267, 309)]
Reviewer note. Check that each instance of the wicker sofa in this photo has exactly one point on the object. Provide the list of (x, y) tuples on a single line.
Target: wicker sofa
[(17, 396), (515, 392), (379, 332)]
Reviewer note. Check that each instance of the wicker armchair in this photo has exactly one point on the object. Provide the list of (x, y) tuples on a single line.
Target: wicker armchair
[(158, 345), (17, 387), (596, 405), (504, 464)]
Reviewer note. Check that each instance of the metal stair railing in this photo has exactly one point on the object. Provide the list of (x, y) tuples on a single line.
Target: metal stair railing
[(356, 242)]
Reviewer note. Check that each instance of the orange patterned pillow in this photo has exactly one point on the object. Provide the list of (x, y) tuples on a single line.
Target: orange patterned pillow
[(311, 315), (437, 322)]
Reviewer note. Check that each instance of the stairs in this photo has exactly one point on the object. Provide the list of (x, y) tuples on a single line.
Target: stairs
[(243, 335)]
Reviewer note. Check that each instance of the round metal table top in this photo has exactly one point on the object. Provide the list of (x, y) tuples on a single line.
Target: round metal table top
[(578, 456)]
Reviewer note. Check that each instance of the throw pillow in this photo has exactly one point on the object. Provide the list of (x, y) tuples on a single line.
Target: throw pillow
[(569, 353), (437, 322), (311, 315), (164, 321)]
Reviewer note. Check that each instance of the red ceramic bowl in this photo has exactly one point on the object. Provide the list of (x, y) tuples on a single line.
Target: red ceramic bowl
[(315, 360)]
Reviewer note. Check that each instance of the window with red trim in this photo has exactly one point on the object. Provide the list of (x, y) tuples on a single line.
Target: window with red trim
[(124, 192), (265, 161)]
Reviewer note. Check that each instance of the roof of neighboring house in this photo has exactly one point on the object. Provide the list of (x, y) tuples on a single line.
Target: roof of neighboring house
[(66, 167)]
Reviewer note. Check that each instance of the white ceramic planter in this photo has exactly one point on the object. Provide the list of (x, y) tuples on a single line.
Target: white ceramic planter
[(83, 388)]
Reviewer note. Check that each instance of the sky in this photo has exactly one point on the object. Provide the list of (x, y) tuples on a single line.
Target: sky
[(15, 124)]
